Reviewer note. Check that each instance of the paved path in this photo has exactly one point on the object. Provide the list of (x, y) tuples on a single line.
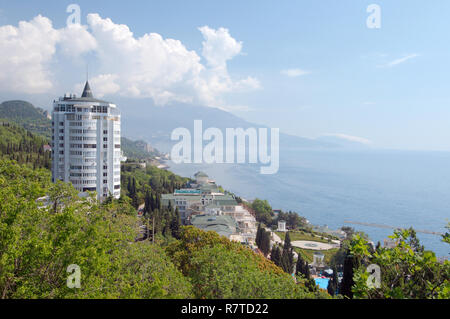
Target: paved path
[(315, 245)]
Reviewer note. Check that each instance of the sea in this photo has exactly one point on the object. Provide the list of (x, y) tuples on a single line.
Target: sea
[(334, 187)]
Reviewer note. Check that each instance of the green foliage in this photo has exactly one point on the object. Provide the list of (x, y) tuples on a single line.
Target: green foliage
[(26, 115), (263, 211), (287, 255), (263, 240), (22, 146), (138, 150), (446, 236), (219, 268), (136, 182), (275, 255), (333, 283), (38, 241), (407, 270), (292, 219), (347, 280), (302, 268)]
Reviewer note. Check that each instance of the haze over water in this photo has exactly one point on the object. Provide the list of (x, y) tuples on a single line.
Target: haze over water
[(395, 188)]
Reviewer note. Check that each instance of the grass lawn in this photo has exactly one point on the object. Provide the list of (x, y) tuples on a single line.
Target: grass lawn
[(307, 254), (299, 235)]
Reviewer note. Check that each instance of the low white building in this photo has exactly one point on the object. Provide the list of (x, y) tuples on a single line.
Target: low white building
[(282, 225)]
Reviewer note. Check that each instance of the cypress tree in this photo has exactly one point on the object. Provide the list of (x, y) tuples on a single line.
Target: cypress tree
[(275, 255), (333, 283), (258, 236), (287, 256), (265, 242), (175, 224), (347, 280)]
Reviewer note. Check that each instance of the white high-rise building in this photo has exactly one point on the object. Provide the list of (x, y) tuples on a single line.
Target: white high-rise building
[(86, 144)]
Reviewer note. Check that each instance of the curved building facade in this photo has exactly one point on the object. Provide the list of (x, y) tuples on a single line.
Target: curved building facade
[(86, 148)]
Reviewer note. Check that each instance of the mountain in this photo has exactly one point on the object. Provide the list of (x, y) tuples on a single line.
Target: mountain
[(25, 114), (138, 149), (155, 124)]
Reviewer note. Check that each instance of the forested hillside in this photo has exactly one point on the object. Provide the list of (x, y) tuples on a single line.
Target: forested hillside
[(139, 150), (28, 116), (23, 146)]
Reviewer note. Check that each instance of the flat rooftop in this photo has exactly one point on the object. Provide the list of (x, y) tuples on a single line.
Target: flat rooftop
[(223, 225)]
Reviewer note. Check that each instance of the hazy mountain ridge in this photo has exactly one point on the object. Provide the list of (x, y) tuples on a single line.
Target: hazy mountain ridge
[(157, 127)]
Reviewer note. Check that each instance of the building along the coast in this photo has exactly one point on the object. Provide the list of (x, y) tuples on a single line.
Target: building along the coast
[(86, 148), (205, 206)]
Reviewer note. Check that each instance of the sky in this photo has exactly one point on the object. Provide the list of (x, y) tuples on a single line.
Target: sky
[(310, 68)]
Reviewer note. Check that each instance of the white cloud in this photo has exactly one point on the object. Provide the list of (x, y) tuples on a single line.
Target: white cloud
[(149, 66), (350, 138), (24, 52), (27, 50), (400, 60), (219, 46), (75, 40), (294, 72), (164, 69)]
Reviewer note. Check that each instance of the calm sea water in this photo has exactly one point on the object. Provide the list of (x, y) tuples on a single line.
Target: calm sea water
[(396, 188)]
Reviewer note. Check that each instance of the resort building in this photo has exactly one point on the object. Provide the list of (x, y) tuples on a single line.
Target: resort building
[(203, 203), (86, 148)]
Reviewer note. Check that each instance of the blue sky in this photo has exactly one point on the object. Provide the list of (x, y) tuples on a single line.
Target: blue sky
[(387, 85)]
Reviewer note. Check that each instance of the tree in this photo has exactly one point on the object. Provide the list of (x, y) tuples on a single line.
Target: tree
[(408, 271), (300, 267), (265, 242), (287, 256), (347, 280), (176, 224), (333, 283), (219, 268), (263, 211), (40, 239), (275, 255)]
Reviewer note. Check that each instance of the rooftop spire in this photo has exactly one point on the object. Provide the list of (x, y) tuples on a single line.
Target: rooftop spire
[(87, 91)]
